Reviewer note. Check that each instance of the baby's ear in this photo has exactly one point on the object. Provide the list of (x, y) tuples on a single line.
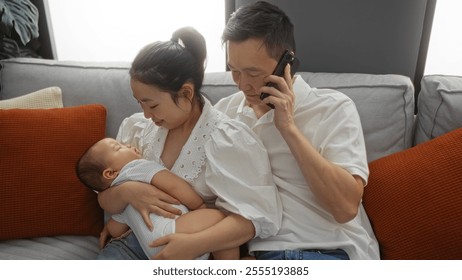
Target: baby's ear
[(110, 174)]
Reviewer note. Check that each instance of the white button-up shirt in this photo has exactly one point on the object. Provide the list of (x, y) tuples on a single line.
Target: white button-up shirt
[(330, 122)]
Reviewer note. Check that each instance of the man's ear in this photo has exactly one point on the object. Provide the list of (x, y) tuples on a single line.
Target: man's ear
[(110, 174), (188, 90)]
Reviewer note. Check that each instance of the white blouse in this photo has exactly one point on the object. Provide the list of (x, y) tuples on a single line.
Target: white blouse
[(223, 160)]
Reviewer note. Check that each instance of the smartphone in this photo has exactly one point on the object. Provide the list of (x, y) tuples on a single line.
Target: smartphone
[(288, 57)]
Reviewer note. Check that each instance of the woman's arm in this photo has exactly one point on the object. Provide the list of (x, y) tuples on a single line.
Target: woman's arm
[(142, 196), (173, 185), (232, 231), (239, 174)]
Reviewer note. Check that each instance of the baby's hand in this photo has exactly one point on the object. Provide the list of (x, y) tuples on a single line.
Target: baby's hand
[(104, 237)]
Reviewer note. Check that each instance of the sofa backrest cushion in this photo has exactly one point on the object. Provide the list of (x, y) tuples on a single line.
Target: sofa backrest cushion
[(439, 106), (413, 200), (218, 85), (385, 102), (385, 105), (81, 83)]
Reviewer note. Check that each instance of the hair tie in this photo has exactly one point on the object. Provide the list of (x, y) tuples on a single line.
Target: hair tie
[(178, 41)]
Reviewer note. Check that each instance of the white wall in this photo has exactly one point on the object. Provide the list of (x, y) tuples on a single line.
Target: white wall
[(445, 49), (114, 30)]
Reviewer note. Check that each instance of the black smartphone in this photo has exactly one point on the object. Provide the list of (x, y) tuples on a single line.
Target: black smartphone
[(288, 57)]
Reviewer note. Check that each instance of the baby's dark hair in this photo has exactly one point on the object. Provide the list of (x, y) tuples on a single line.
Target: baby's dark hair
[(89, 170)]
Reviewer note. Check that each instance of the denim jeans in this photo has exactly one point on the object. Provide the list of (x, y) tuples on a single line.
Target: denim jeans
[(124, 248), (337, 254)]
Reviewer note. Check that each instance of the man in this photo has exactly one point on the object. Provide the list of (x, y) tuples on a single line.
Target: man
[(314, 140)]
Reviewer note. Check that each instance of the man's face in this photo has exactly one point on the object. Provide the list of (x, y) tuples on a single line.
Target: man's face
[(250, 63)]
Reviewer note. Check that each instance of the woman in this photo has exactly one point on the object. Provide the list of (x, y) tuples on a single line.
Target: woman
[(220, 157)]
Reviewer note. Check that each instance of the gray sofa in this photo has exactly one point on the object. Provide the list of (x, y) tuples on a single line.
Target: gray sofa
[(385, 104)]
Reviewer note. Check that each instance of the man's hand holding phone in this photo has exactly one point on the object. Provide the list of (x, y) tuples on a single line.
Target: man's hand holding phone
[(287, 58)]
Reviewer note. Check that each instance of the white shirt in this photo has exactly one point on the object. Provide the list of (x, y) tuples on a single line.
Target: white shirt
[(330, 122), (138, 170), (223, 160)]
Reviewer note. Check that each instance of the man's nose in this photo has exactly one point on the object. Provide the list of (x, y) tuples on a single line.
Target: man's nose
[(243, 83)]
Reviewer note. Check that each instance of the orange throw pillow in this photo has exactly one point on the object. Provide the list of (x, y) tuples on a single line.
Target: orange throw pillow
[(39, 189), (414, 200)]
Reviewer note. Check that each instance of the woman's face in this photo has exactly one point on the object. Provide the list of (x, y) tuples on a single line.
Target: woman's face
[(159, 106)]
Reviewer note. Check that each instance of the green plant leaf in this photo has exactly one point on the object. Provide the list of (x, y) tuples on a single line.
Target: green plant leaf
[(20, 16)]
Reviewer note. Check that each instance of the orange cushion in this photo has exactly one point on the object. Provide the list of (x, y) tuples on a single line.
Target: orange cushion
[(40, 194), (414, 200)]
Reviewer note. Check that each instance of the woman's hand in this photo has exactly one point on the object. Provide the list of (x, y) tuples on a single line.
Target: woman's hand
[(148, 199), (178, 246), (143, 197), (231, 232)]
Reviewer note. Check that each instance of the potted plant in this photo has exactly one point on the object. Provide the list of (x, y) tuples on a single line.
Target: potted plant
[(18, 28)]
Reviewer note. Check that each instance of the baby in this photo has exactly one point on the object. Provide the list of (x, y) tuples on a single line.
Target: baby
[(109, 163)]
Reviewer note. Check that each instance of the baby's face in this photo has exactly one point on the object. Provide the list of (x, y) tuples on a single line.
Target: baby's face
[(115, 154)]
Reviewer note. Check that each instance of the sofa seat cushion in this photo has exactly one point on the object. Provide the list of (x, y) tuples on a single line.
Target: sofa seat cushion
[(41, 194), (439, 106), (413, 200), (65, 247)]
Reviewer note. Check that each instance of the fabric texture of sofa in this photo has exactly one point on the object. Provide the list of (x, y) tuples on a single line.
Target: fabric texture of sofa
[(412, 197)]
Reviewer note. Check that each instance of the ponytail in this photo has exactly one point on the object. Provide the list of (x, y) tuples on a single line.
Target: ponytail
[(193, 41)]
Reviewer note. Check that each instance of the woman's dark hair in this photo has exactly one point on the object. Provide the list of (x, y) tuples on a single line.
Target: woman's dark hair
[(169, 64), (265, 21)]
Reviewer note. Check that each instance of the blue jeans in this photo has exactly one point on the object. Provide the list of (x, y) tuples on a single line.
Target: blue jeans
[(337, 254), (124, 248)]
